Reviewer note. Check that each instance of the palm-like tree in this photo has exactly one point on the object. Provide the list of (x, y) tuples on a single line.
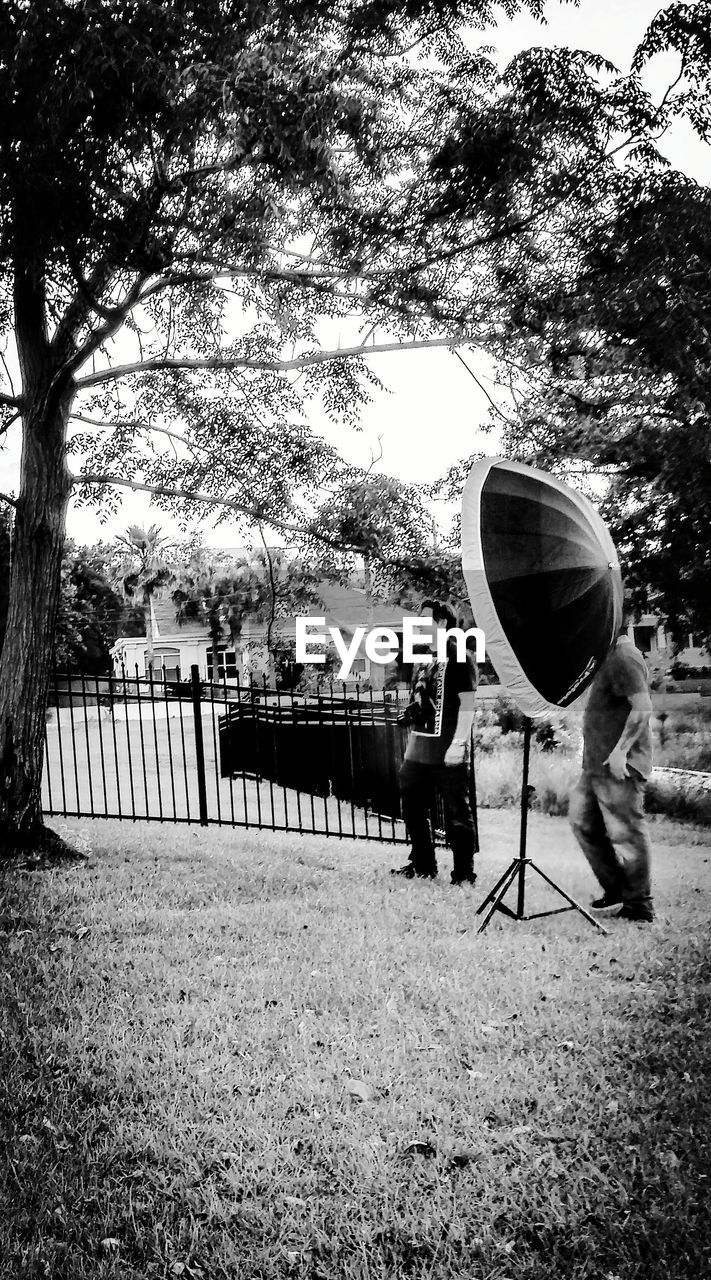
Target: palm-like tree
[(196, 599), (245, 595), (221, 594), (205, 590), (143, 570), (262, 587)]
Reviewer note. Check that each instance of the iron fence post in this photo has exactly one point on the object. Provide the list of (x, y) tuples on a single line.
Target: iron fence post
[(199, 745)]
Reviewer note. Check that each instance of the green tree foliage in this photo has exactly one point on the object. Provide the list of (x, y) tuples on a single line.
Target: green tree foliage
[(433, 575), (214, 182), (143, 569), (205, 178), (374, 520), (198, 595), (91, 614), (264, 586), (290, 587), (619, 391), (605, 368), (221, 595)]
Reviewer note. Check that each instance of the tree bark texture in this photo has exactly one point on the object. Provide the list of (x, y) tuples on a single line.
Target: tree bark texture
[(35, 574)]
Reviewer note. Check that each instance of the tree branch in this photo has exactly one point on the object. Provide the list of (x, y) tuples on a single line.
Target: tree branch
[(84, 289), (311, 278), (5, 426), (193, 495), (132, 424), (481, 387), (83, 301), (373, 458), (12, 402), (266, 366), (208, 499), (5, 497), (8, 375), (98, 336)]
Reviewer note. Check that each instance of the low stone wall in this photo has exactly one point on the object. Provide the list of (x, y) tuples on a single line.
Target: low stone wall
[(680, 793)]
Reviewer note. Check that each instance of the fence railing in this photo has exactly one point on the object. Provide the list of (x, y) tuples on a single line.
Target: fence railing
[(148, 748)]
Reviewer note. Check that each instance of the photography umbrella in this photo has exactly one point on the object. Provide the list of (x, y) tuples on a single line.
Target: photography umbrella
[(543, 579), (545, 587)]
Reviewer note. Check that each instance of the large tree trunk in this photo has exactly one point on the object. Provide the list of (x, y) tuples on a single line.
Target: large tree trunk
[(25, 663), (34, 597)]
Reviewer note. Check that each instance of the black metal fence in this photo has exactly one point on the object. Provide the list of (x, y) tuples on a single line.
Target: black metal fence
[(249, 756)]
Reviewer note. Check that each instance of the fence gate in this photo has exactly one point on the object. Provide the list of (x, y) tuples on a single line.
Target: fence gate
[(190, 751)]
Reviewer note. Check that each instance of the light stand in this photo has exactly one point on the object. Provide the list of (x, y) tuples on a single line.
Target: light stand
[(517, 867)]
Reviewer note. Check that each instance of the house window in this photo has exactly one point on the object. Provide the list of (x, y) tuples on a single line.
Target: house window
[(227, 668), (358, 666), (166, 664)]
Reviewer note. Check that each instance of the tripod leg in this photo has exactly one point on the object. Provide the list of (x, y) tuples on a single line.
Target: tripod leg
[(496, 896), (494, 893), (518, 866), (575, 905)]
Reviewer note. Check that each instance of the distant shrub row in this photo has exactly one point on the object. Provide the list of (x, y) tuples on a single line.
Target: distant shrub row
[(552, 776)]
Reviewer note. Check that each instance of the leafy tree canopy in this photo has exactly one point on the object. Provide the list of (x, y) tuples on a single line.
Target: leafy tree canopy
[(191, 193), (605, 359), (209, 181), (91, 614)]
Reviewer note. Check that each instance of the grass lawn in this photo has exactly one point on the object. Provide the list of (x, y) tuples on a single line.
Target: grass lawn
[(242, 1054)]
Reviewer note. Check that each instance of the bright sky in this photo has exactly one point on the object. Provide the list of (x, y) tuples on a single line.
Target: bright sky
[(433, 412)]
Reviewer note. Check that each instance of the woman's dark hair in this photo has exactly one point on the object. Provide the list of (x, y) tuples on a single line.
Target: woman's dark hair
[(441, 612)]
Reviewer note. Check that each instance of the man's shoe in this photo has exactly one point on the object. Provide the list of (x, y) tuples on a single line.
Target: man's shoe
[(608, 905), (409, 872), (468, 878), (637, 914)]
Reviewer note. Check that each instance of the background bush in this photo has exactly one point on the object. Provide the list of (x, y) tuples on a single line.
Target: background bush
[(682, 740)]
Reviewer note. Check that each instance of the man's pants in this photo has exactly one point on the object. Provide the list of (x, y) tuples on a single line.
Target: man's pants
[(607, 818), (417, 785)]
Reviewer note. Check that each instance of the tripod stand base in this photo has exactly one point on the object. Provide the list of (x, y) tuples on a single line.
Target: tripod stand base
[(517, 870)]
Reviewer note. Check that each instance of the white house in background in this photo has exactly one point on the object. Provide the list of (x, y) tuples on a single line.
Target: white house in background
[(177, 648)]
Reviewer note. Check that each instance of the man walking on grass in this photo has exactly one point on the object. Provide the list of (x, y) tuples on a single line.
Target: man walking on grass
[(607, 805), (440, 714)]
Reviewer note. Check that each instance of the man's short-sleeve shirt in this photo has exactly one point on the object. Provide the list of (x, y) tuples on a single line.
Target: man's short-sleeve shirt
[(435, 691), (622, 674)]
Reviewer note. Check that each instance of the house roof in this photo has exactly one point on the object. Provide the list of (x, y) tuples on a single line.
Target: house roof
[(165, 621), (348, 608)]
